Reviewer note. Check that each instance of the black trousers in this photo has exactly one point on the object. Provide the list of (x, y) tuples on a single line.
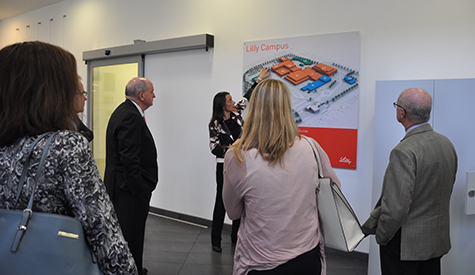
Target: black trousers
[(219, 212), (132, 215), (391, 264), (306, 264)]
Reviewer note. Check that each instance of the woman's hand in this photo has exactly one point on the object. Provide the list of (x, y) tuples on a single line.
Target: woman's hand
[(263, 74)]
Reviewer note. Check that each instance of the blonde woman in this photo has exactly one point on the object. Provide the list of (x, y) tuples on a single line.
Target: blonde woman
[(269, 183)]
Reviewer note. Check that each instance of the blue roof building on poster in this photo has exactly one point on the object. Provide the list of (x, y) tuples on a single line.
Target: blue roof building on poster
[(350, 80), (316, 84)]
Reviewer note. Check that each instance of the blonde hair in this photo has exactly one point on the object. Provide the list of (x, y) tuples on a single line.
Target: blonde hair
[(269, 126)]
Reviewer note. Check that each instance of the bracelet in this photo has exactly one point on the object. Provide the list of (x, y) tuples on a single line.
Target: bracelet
[(260, 79)]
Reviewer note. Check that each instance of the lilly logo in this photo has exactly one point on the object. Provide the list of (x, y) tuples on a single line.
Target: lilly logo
[(345, 160)]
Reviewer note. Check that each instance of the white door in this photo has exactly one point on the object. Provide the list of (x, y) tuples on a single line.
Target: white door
[(453, 115)]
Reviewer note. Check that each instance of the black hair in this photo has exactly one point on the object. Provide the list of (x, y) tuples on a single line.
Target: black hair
[(219, 102)]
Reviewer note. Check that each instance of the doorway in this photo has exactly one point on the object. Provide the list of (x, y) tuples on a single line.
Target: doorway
[(107, 81)]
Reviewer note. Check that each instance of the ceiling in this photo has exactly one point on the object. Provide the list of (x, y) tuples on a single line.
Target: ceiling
[(10, 8)]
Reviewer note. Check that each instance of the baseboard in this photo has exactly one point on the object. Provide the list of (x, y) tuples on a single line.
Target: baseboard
[(361, 256), (185, 217)]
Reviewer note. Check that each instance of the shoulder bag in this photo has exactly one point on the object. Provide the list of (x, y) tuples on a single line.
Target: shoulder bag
[(42, 243), (340, 227)]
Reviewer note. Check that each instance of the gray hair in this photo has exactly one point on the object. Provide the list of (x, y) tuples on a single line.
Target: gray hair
[(417, 112), (136, 88)]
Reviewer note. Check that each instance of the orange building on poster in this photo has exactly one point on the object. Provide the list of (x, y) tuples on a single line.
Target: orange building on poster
[(325, 69), (286, 66), (294, 74), (298, 77)]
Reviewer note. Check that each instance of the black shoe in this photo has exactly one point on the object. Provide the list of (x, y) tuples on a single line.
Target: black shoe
[(217, 248), (144, 271)]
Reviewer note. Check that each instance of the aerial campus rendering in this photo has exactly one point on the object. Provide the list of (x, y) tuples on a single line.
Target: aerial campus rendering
[(325, 94)]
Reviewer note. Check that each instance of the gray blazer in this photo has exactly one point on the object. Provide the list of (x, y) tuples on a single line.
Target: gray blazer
[(416, 194)]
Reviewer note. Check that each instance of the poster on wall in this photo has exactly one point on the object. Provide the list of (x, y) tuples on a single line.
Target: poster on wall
[(322, 72)]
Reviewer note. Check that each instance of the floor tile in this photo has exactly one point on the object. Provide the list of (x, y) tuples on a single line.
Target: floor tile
[(205, 270), (177, 248)]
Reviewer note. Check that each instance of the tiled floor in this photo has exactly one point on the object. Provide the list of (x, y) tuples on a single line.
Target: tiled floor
[(177, 248)]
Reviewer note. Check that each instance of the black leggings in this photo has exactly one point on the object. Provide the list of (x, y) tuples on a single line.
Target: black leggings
[(219, 212), (307, 263)]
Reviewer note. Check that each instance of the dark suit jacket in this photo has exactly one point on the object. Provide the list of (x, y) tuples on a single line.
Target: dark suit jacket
[(416, 194), (131, 155)]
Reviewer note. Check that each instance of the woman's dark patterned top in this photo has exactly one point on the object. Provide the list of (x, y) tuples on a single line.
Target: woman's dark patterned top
[(220, 136), (71, 185)]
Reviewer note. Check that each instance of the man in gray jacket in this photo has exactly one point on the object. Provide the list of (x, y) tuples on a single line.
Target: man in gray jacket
[(411, 219)]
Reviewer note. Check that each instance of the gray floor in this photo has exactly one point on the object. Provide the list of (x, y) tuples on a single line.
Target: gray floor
[(178, 248)]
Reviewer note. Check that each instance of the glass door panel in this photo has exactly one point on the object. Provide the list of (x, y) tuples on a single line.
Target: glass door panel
[(108, 91)]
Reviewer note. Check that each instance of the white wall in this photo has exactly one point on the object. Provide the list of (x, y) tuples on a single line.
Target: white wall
[(405, 39)]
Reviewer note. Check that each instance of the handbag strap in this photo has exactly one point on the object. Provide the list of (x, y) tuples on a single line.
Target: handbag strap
[(317, 156), (25, 169), (40, 169), (21, 229)]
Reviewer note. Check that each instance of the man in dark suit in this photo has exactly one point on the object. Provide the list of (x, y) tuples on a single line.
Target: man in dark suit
[(131, 164), (411, 219)]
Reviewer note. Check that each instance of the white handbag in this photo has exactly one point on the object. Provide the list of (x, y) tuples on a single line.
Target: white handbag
[(338, 222)]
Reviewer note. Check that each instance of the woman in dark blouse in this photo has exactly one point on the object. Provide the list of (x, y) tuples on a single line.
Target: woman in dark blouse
[(224, 128), (38, 87)]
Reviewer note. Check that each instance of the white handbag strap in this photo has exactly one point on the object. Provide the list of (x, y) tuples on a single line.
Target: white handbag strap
[(317, 156)]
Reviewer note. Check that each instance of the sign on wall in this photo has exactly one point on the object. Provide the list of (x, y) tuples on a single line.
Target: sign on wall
[(322, 72)]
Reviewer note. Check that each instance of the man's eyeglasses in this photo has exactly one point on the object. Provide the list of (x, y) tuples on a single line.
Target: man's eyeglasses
[(397, 105)]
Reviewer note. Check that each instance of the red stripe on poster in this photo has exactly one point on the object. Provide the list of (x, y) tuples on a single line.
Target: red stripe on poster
[(340, 144)]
